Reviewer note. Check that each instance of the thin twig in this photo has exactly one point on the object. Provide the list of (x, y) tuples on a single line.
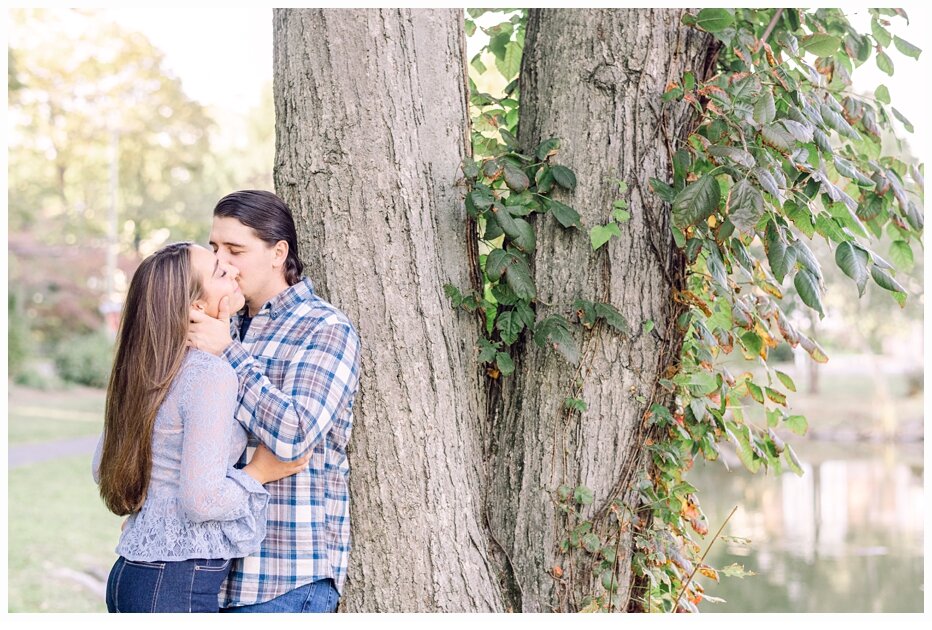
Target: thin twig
[(772, 25), (702, 559)]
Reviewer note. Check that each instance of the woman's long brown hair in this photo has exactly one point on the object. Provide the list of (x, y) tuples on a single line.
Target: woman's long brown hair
[(149, 353)]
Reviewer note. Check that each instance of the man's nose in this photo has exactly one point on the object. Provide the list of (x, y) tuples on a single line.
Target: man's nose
[(233, 270)]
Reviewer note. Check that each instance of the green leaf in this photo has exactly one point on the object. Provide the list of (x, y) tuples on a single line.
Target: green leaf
[(564, 492), (797, 424), (744, 206), (548, 148), (901, 254), (612, 317), (736, 155), (515, 178), (714, 20), (583, 495), (885, 280), (764, 108), (505, 365), (487, 351), (620, 215), (900, 117), (600, 234), (662, 189), (786, 380), (807, 286), (555, 331), (885, 63), (777, 136), (481, 199), (820, 44), (576, 403), (591, 543), (880, 34), (510, 326), (565, 215), (753, 343), (792, 462), (780, 257), (510, 64), (906, 48), (496, 263), (852, 261), (696, 202), (564, 176), (882, 94), (518, 277), (648, 325)]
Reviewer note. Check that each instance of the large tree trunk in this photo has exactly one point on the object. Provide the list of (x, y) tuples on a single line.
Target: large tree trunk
[(371, 126), (593, 78)]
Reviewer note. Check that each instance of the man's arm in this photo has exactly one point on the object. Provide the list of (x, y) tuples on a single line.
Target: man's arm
[(319, 383)]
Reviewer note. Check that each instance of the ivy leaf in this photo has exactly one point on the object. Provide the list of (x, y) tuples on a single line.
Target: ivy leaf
[(906, 48), (765, 109), (882, 94), (612, 317), (547, 148), (696, 202), (496, 263), (600, 234), (744, 206), (555, 330), (565, 215), (853, 261), (591, 543), (487, 350), (885, 63), (510, 326), (885, 280), (564, 176), (518, 277), (820, 44), (792, 462), (515, 178), (504, 363), (510, 63), (808, 288), (714, 20), (902, 255), (662, 189), (582, 495)]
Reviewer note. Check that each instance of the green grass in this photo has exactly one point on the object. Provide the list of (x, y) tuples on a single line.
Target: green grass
[(58, 527), (43, 416)]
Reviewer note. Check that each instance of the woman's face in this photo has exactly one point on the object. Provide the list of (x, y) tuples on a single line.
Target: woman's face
[(218, 281)]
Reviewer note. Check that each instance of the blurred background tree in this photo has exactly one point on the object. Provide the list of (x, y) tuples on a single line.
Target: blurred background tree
[(97, 118)]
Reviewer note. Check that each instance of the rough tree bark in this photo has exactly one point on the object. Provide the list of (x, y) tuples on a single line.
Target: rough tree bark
[(593, 78), (451, 506), (371, 127)]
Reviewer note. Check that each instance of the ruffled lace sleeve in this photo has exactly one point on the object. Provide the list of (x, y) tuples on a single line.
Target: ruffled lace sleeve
[(95, 463), (211, 489)]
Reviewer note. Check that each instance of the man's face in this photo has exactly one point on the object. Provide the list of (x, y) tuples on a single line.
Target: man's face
[(237, 244)]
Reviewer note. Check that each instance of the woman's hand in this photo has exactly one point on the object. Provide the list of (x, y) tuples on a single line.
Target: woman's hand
[(265, 467)]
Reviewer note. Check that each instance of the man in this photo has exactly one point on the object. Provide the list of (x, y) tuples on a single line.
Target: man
[(297, 360)]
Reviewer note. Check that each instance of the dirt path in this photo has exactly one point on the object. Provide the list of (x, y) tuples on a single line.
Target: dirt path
[(25, 454)]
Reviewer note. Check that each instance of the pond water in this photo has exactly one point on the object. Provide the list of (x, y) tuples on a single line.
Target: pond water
[(847, 536)]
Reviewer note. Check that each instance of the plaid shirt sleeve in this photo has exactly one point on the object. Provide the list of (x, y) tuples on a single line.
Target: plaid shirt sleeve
[(320, 380)]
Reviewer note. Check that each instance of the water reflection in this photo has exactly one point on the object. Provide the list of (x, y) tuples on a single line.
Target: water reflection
[(847, 536)]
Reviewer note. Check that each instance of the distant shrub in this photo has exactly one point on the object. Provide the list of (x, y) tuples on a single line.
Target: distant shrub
[(85, 360), (19, 340)]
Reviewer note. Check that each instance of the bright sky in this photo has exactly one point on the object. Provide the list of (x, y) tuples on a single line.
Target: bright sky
[(222, 56)]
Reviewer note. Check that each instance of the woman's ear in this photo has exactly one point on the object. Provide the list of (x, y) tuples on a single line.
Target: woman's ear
[(199, 305)]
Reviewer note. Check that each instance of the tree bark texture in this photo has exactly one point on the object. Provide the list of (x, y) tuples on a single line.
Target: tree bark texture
[(592, 78), (371, 126)]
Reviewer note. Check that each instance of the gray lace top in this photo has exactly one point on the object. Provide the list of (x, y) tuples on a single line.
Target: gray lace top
[(197, 505)]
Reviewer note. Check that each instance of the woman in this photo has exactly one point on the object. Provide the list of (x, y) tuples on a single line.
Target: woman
[(170, 440)]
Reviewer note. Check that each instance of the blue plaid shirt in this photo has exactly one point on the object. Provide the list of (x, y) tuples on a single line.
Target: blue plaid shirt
[(298, 370)]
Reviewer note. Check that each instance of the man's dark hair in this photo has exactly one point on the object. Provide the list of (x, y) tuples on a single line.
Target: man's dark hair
[(271, 219)]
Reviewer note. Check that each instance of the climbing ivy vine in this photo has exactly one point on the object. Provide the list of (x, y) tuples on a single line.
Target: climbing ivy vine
[(783, 151)]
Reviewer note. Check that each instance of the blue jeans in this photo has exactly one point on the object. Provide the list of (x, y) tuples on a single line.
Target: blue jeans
[(182, 586), (317, 597)]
